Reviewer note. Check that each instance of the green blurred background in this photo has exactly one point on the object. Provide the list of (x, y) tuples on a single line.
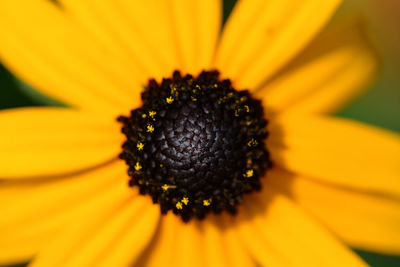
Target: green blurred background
[(379, 106)]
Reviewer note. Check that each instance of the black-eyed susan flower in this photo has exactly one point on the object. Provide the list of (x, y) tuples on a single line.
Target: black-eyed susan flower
[(197, 177)]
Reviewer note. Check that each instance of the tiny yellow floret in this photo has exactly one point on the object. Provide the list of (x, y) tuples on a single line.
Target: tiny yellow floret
[(139, 146), (165, 187), (152, 113), (150, 128), (170, 100), (252, 142), (173, 88), (249, 173), (185, 200), (138, 166), (179, 205), (207, 202)]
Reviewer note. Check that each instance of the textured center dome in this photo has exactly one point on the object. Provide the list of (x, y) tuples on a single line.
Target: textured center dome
[(196, 145)]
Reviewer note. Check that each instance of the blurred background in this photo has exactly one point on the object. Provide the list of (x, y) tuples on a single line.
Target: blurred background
[(380, 105)]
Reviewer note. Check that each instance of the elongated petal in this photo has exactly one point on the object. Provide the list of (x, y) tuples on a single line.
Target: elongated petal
[(98, 231), (295, 236), (232, 247), (328, 74), (216, 251), (219, 244), (187, 30), (160, 250), (53, 195), (47, 207), (9, 190), (261, 36), (23, 250), (111, 24), (338, 151), (365, 221), (261, 249), (196, 26), (131, 245), (42, 45), (49, 141), (149, 22), (122, 239), (188, 240)]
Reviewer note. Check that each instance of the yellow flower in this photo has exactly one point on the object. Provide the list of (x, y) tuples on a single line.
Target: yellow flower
[(64, 194)]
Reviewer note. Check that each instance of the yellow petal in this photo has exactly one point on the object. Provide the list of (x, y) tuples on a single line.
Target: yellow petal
[(49, 141), (188, 240), (220, 245), (330, 72), (295, 236), (152, 24), (223, 246), (115, 25), (105, 223), (138, 233), (47, 198), (9, 190), (261, 36), (149, 21), (196, 25), (338, 151), (215, 249), (160, 250), (261, 249), (365, 221), (43, 46), (47, 207), (23, 250), (121, 240)]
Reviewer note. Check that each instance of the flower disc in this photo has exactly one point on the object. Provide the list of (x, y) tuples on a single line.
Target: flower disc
[(196, 145)]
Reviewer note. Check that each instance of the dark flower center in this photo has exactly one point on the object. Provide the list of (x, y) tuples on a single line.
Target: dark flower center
[(196, 145)]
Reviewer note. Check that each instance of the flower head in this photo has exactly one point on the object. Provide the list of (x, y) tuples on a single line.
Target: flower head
[(194, 144)]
